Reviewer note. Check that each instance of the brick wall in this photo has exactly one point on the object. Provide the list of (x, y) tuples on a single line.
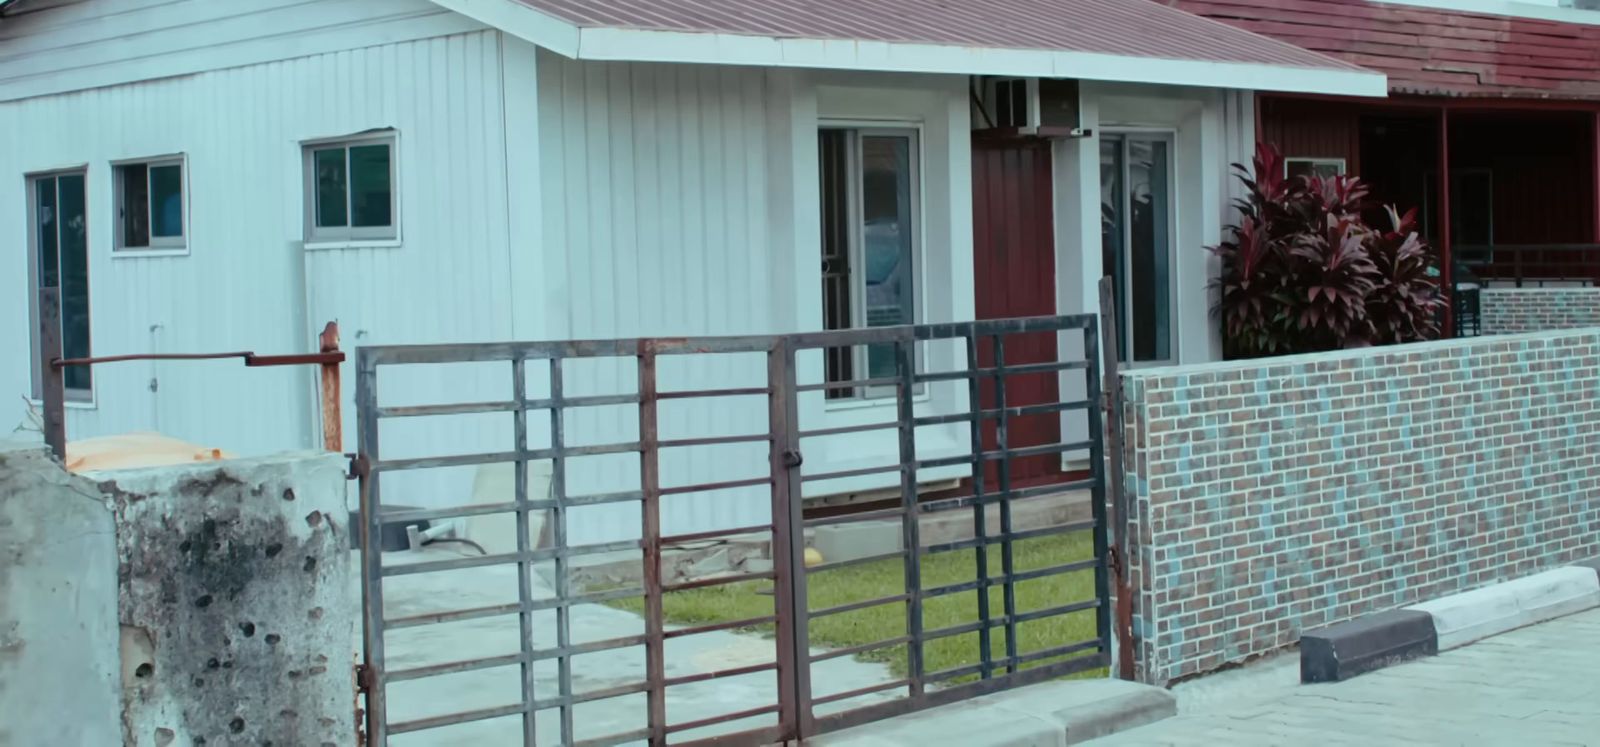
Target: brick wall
[(1509, 311), (1271, 497)]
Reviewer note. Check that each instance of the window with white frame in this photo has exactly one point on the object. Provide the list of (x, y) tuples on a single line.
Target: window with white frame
[(350, 190), (871, 238), (1319, 167), (150, 205)]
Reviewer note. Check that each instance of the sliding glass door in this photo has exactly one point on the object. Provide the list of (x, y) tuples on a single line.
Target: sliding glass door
[(1136, 232)]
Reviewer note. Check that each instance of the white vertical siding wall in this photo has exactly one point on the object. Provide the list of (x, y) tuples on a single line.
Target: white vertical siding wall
[(248, 284), (655, 224), (655, 183), (681, 200), (54, 46)]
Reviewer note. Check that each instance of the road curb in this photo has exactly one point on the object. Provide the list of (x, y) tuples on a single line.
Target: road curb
[(1339, 652), (1051, 713)]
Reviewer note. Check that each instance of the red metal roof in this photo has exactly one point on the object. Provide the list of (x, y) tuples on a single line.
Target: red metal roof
[(1428, 51), (1141, 28)]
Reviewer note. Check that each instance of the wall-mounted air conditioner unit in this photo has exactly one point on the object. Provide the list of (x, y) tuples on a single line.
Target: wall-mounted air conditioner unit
[(1042, 107)]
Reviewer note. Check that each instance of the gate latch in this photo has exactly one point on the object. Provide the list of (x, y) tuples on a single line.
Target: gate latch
[(793, 459)]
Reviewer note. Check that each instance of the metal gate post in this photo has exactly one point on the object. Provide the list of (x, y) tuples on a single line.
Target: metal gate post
[(371, 550), (53, 394), (788, 552), (910, 520), (650, 522), (1114, 482), (1097, 470)]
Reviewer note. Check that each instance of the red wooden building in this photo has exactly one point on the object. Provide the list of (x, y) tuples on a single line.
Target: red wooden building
[(1505, 108)]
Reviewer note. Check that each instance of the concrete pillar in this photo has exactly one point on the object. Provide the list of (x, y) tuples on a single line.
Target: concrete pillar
[(58, 604)]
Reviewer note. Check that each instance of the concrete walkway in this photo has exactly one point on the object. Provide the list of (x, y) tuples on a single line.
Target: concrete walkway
[(500, 686), (1534, 686)]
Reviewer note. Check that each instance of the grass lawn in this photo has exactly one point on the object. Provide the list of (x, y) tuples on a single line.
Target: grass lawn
[(831, 588)]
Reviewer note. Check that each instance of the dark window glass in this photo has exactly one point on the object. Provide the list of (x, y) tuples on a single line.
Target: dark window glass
[(1149, 201), (868, 245), (1136, 242), (49, 248), (886, 234), (332, 186), (166, 194), (135, 205), (1113, 227), (371, 194), (834, 149), (74, 242)]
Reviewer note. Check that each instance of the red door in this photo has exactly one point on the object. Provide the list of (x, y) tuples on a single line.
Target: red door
[(1014, 273)]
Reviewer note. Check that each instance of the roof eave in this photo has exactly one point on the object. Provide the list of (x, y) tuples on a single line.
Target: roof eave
[(639, 45), (731, 49)]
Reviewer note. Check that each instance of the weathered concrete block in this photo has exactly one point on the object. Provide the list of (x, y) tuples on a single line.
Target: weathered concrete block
[(237, 624), (497, 483), (58, 605), (1339, 652)]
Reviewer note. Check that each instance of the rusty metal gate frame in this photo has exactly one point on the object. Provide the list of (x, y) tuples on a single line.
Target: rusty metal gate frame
[(796, 706)]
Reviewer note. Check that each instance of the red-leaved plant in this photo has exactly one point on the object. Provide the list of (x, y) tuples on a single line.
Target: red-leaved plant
[(1404, 306), (1302, 272)]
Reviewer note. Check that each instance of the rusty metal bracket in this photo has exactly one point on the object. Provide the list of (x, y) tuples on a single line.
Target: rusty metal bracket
[(360, 467), (366, 678), (365, 682), (52, 365)]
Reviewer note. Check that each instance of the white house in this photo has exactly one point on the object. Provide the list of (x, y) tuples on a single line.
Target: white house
[(204, 176)]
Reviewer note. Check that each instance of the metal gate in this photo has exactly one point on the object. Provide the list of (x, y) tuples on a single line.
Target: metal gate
[(981, 584)]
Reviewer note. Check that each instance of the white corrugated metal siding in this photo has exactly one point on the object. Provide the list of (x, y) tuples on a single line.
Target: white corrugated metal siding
[(245, 284), (655, 190)]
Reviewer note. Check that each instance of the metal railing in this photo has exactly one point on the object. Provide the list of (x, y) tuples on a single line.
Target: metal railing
[(976, 396), (1537, 265), (53, 395)]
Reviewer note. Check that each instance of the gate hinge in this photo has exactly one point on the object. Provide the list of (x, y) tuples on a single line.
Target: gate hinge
[(360, 468), (1108, 401), (793, 459), (364, 679)]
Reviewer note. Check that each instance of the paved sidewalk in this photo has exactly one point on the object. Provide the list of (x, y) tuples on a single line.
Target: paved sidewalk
[(1535, 686)]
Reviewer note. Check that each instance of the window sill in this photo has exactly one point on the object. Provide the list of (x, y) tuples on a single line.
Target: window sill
[(846, 405), (71, 404), (148, 253), (319, 246)]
